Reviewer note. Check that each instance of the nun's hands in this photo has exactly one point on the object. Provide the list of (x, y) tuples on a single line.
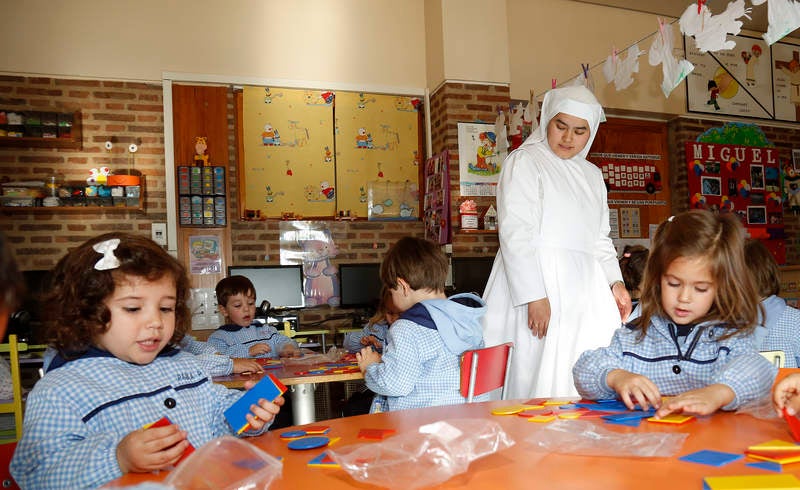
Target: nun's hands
[(539, 317)]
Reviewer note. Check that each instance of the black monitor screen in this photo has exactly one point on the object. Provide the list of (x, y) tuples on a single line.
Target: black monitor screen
[(470, 274), (281, 285), (360, 284)]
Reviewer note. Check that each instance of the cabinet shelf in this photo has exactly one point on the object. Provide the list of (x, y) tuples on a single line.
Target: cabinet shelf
[(68, 209), (74, 140)]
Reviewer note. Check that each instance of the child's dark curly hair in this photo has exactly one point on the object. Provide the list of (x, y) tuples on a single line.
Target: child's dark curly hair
[(77, 312)]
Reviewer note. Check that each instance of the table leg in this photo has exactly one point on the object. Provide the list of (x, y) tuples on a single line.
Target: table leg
[(324, 348), (303, 406)]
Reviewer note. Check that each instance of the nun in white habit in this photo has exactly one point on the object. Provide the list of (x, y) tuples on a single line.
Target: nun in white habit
[(555, 289)]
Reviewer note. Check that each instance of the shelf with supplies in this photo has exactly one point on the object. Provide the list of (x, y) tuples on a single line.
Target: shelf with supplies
[(201, 197), (72, 197), (40, 129)]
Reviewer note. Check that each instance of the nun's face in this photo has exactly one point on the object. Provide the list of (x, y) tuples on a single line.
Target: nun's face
[(567, 135)]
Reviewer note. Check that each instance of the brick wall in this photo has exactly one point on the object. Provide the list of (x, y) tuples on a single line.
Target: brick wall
[(129, 112), (682, 130)]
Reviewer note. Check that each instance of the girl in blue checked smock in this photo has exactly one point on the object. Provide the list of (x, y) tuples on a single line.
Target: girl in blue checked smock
[(116, 311), (694, 339)]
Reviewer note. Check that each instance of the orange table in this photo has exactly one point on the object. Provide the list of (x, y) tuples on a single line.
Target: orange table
[(301, 386), (523, 466)]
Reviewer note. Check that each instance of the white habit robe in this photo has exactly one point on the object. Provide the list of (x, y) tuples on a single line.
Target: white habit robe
[(553, 227)]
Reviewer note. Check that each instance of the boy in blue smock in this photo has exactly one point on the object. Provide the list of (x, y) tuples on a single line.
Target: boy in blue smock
[(242, 336), (420, 363)]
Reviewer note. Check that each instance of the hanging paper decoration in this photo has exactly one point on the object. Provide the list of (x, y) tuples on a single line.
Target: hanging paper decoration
[(530, 117), (515, 125), (585, 78), (711, 31), (502, 134), (621, 70), (661, 52), (783, 17)]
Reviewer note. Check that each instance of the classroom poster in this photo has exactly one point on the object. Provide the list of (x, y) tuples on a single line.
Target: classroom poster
[(288, 151), (735, 82), (479, 161), (204, 255), (311, 244), (786, 81), (377, 140)]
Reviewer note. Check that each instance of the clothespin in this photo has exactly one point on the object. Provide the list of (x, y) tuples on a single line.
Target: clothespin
[(553, 83), (700, 4), (661, 27), (585, 69), (614, 55)]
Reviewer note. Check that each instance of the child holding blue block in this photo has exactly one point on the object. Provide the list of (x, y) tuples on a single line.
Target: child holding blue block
[(117, 310)]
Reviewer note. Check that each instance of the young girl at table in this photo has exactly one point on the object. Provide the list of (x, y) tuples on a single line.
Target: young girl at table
[(694, 340), (374, 333), (117, 308)]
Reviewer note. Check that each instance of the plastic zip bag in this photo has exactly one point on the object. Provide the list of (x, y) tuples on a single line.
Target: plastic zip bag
[(431, 455), (589, 439)]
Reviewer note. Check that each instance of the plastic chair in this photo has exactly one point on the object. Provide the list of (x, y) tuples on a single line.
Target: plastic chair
[(14, 405), (485, 370), (776, 357)]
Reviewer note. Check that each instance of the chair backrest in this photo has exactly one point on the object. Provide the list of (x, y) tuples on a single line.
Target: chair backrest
[(6, 453), (15, 405), (776, 357), (484, 370)]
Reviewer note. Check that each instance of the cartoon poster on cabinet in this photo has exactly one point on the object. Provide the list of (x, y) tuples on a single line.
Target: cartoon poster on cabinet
[(479, 161), (377, 140), (288, 151), (745, 180), (786, 81), (735, 82)]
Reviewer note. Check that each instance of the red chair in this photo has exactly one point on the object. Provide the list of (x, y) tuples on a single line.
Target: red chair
[(485, 370), (6, 453)]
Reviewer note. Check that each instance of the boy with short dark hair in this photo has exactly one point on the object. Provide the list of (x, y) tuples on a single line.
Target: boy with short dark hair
[(242, 336), (780, 326), (420, 365)]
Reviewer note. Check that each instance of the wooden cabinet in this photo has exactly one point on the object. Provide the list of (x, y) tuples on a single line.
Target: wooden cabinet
[(40, 129)]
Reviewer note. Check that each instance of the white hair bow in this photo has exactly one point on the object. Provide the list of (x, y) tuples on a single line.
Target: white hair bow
[(109, 260)]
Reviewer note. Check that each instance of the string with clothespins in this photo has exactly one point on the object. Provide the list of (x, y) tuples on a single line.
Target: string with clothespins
[(586, 68)]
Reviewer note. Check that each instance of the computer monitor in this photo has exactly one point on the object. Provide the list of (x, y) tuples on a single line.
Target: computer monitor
[(281, 285), (470, 274), (360, 285)]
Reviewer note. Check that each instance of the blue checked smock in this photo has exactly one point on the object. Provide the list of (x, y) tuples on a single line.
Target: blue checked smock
[(79, 412), (213, 363), (702, 361), (352, 340), (781, 330), (420, 366), (235, 340)]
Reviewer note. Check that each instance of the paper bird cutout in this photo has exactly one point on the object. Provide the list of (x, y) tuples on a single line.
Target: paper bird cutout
[(661, 52), (530, 115), (711, 31), (621, 70), (783, 17)]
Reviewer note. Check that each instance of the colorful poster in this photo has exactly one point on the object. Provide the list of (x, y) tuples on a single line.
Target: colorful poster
[(736, 82), (204, 255), (479, 161), (311, 244), (786, 80)]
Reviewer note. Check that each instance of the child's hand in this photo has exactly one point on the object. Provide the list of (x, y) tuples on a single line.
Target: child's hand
[(264, 412), (785, 395), (151, 449), (371, 340), (366, 357), (259, 349), (702, 401), (245, 365), (290, 351), (634, 388)]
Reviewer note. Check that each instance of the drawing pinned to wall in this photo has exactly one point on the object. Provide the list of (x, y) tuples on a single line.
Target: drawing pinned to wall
[(479, 162), (387, 200), (311, 244), (786, 79), (204, 255)]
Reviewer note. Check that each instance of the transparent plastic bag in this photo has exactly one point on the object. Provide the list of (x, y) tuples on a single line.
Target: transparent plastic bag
[(226, 463), (310, 357), (431, 455), (760, 408), (589, 439)]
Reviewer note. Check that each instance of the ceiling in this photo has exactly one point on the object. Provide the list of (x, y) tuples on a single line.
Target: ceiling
[(675, 8)]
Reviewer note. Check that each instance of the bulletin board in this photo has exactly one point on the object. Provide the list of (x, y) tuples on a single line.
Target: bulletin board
[(632, 155), (312, 153), (745, 180), (437, 198)]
